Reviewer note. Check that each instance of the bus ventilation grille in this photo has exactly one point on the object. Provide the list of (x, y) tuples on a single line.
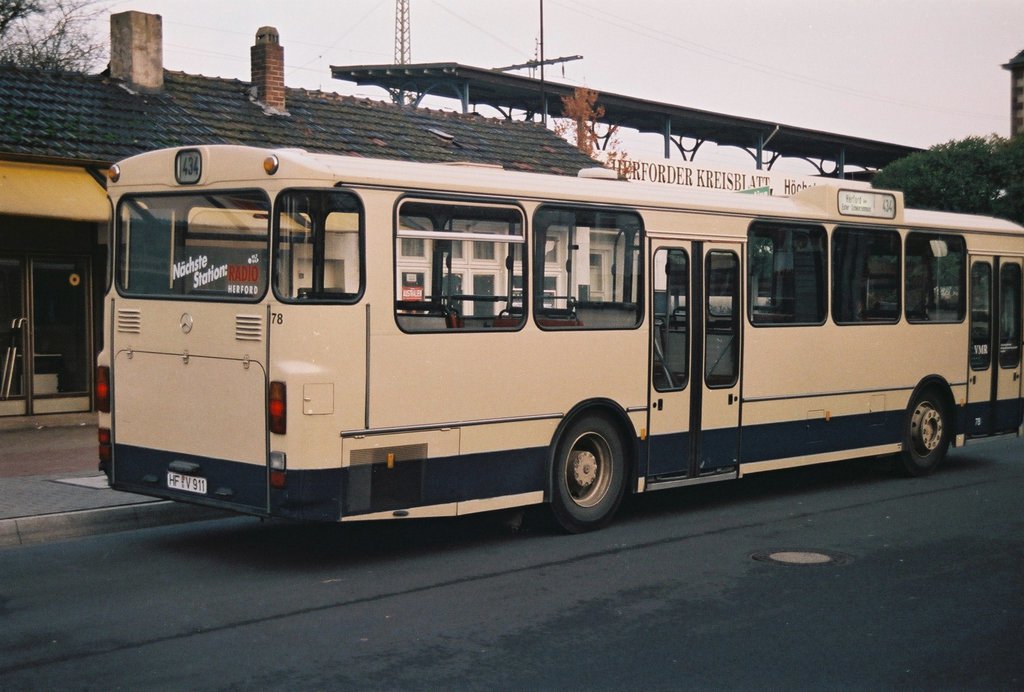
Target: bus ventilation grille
[(248, 328), (129, 321)]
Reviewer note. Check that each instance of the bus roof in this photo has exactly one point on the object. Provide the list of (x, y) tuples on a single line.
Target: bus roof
[(831, 201)]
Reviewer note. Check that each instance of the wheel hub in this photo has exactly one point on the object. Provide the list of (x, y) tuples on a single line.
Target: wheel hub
[(584, 468), (926, 427)]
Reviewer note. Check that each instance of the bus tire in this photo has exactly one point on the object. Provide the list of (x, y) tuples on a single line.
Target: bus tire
[(926, 433), (588, 475)]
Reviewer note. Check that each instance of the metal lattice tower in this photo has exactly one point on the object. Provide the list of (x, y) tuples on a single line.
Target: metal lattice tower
[(403, 38)]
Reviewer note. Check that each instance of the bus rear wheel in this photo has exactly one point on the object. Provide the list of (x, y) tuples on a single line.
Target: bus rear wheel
[(926, 434), (588, 475)]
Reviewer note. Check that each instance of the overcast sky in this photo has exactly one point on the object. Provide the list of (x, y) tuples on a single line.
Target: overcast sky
[(914, 72)]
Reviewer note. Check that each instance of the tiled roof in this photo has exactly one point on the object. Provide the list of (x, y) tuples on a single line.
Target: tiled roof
[(96, 119)]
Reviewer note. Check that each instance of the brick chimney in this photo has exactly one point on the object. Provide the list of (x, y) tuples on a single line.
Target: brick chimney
[(137, 50), (268, 69)]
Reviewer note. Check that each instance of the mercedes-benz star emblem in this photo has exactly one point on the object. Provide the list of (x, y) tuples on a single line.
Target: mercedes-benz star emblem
[(186, 322)]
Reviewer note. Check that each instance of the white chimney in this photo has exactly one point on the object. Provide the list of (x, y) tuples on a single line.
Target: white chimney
[(137, 51)]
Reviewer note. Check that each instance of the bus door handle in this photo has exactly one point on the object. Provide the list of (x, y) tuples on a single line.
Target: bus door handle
[(733, 398)]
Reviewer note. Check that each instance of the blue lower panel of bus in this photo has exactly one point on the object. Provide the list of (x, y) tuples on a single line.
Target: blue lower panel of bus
[(420, 482), (669, 454), (229, 484), (986, 418), (820, 436), (329, 494)]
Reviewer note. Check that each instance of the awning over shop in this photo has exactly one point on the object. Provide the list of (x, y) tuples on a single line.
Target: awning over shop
[(55, 192)]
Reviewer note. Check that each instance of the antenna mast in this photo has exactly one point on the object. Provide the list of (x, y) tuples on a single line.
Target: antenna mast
[(403, 36), (403, 47)]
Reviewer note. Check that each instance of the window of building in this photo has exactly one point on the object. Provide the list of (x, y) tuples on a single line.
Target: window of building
[(786, 265), (570, 245), (481, 251), (934, 278), (412, 247), (865, 275), (443, 287)]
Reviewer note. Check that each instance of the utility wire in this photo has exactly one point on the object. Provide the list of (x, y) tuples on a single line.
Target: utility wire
[(745, 63)]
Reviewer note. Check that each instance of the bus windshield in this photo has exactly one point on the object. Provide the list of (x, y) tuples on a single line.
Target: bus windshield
[(211, 245)]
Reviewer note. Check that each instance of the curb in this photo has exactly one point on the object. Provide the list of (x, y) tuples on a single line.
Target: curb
[(89, 522)]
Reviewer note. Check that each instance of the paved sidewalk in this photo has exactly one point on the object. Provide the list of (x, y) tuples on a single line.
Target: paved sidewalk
[(51, 488)]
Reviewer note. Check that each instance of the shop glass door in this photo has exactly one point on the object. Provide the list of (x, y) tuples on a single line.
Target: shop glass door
[(12, 337), (45, 335), (60, 335)]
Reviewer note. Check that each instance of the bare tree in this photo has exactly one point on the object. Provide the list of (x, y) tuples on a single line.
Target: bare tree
[(14, 10), (581, 124), (50, 34)]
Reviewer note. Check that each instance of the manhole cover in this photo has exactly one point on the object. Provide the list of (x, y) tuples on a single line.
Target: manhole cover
[(801, 557)]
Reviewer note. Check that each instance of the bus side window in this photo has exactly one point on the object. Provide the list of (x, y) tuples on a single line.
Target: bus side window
[(318, 246), (865, 275), (587, 268), (459, 266), (935, 274), (786, 265)]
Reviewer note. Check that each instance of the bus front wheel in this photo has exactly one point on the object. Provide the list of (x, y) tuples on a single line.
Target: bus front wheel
[(588, 475), (926, 434)]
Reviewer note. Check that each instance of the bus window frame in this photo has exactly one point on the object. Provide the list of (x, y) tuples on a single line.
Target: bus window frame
[(344, 298), (964, 308), (118, 253), (468, 201), (539, 262), (900, 261), (824, 294)]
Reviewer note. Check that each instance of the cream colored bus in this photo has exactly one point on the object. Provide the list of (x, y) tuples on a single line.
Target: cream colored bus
[(330, 338)]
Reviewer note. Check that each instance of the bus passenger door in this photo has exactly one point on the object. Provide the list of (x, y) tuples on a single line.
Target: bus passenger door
[(719, 406), (669, 440), (695, 349), (994, 380)]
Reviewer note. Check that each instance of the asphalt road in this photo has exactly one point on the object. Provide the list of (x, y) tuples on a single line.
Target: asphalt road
[(925, 592)]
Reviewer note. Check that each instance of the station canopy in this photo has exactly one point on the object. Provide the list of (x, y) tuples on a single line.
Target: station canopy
[(765, 140)]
